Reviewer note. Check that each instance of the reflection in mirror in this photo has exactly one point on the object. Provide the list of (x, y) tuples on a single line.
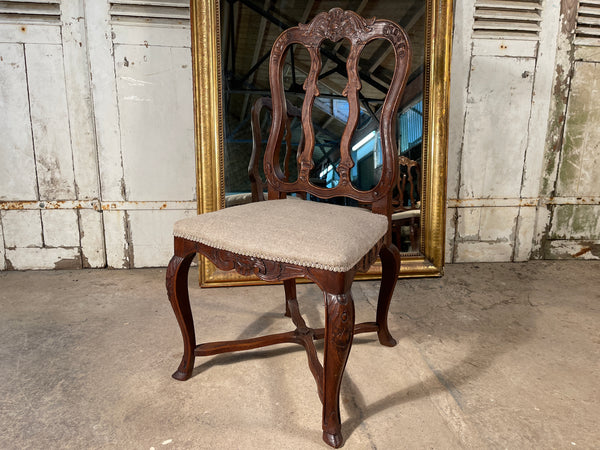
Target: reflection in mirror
[(248, 30)]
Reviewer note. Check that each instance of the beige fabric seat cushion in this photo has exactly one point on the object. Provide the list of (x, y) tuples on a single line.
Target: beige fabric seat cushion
[(306, 233), (240, 199), (409, 214)]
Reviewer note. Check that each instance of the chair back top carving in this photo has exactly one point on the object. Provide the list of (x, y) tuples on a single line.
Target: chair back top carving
[(407, 189), (256, 182), (336, 25)]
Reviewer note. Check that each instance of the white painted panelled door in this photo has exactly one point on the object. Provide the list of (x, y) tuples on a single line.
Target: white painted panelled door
[(502, 72), (96, 132)]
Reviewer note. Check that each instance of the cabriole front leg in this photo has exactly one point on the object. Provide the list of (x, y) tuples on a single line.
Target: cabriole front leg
[(177, 289), (339, 329)]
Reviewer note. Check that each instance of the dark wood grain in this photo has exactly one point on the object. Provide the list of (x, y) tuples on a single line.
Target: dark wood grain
[(339, 327), (177, 273), (334, 26), (340, 324)]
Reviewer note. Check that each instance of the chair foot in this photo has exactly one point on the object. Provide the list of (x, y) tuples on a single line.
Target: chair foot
[(335, 440), (182, 375), (386, 339)]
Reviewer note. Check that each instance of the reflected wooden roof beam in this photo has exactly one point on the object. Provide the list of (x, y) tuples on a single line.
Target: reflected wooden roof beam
[(414, 14), (307, 10), (257, 47), (335, 58)]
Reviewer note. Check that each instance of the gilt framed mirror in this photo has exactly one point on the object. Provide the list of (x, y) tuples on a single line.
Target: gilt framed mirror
[(231, 41)]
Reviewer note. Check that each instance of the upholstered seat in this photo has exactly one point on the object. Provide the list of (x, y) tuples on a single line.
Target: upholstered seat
[(294, 231), (409, 214), (240, 199)]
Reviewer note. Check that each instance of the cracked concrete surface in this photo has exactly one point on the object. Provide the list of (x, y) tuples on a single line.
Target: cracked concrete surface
[(490, 356)]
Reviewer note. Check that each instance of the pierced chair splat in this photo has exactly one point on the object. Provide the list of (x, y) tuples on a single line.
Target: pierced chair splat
[(275, 239), (258, 186)]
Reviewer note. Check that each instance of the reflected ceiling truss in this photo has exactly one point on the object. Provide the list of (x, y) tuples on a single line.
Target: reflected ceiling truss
[(373, 70)]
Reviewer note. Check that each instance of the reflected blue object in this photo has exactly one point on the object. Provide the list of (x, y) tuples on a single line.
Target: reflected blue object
[(411, 127)]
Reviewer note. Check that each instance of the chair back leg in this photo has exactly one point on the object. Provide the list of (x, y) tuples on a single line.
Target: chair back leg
[(290, 294), (390, 267)]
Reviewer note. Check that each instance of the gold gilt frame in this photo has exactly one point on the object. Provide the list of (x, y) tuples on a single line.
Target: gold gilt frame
[(209, 137)]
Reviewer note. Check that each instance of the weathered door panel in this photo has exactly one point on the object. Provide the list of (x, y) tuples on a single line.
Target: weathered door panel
[(579, 170), (493, 156), (16, 155), (50, 122), (575, 224), (156, 121), (496, 126), (38, 151), (141, 85)]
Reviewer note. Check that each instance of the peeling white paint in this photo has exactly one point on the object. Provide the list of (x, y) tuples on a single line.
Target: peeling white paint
[(525, 230), (498, 224), (43, 258), (78, 94), (496, 127), (22, 229), (136, 98), (135, 82), (157, 143), (92, 238), (2, 251), (468, 225), (153, 246), (104, 100), (50, 123), (483, 251), (61, 228), (115, 239), (567, 249), (450, 234), (16, 148)]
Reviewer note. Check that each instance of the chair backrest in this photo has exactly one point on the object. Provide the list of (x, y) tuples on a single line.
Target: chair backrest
[(256, 182), (407, 189), (334, 26)]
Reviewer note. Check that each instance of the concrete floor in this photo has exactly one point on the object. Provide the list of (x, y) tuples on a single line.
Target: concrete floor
[(490, 356)]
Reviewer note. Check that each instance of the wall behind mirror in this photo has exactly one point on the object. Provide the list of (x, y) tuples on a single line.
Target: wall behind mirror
[(231, 41)]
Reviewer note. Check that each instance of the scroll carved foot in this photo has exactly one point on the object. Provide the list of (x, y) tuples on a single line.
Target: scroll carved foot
[(177, 289), (339, 330), (390, 262)]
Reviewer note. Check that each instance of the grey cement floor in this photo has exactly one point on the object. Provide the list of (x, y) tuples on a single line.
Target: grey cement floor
[(490, 356)]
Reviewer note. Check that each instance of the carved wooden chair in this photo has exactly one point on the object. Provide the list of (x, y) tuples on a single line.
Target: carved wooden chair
[(258, 186), (407, 203), (276, 239)]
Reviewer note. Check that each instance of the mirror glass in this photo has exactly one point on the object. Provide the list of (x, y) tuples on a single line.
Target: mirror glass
[(248, 29), (231, 41)]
